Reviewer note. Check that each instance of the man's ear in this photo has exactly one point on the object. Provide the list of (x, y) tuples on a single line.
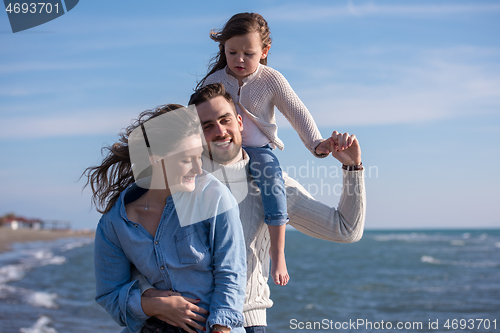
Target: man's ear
[(240, 122), (265, 51)]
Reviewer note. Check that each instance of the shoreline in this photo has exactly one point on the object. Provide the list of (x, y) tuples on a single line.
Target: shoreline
[(9, 236)]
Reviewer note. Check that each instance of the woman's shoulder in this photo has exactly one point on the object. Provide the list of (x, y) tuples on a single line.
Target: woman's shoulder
[(110, 220), (117, 211)]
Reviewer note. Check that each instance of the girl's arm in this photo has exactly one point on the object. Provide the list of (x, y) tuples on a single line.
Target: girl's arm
[(290, 105), (119, 296), (229, 262)]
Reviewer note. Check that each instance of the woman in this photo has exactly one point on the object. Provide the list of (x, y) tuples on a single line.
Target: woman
[(176, 224)]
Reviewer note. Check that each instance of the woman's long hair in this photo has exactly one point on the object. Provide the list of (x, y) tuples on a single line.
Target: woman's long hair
[(239, 24), (115, 173)]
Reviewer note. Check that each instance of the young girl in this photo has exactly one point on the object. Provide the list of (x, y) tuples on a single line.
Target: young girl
[(256, 89)]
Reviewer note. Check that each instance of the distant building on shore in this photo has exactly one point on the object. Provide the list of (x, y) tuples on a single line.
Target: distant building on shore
[(19, 222)]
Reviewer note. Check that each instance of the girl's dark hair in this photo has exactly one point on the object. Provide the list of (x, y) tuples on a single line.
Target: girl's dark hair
[(239, 24), (115, 173)]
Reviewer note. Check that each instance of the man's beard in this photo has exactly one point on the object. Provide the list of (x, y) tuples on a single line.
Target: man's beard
[(223, 156)]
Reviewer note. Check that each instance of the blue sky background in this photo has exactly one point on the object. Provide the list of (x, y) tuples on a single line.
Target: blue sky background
[(418, 82)]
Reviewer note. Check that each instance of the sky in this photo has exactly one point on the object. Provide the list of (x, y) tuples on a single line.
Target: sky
[(418, 83)]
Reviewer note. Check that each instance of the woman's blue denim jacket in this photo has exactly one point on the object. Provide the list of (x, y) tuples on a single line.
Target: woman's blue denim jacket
[(204, 260)]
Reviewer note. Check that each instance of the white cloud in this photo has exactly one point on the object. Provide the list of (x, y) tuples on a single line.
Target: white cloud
[(311, 12), (113, 33), (75, 124), (13, 92), (17, 67), (433, 87)]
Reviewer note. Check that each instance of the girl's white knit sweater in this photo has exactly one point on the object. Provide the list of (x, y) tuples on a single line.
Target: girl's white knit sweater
[(263, 90)]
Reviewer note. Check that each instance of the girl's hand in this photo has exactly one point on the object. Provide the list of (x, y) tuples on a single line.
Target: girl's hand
[(325, 147), (178, 311), (346, 148)]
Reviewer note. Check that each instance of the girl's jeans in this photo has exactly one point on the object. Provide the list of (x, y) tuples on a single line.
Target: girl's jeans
[(266, 172)]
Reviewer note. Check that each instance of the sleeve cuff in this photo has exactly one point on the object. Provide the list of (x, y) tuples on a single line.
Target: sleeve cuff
[(313, 151), (136, 306), (227, 318), (277, 220), (130, 302)]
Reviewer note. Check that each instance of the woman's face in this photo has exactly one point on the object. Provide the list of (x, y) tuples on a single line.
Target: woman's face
[(184, 164)]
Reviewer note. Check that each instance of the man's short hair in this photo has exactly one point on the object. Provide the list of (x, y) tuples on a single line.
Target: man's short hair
[(209, 92)]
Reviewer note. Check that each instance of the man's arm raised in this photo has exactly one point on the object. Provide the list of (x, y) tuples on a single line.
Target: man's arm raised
[(344, 224)]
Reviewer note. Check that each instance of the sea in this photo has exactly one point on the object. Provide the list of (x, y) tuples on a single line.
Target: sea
[(391, 280)]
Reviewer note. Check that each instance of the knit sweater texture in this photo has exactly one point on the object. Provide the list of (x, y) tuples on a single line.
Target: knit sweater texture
[(260, 93), (309, 216)]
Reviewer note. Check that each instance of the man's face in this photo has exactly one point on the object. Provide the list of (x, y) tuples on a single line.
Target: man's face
[(222, 129)]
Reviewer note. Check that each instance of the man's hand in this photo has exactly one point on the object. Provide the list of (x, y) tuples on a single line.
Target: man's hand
[(174, 309), (345, 148)]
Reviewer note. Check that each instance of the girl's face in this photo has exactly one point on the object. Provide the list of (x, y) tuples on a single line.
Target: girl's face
[(184, 165), (243, 54)]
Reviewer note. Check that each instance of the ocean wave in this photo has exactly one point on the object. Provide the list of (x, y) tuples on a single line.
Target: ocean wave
[(476, 264), (48, 258), (416, 237), (62, 302), (56, 260), (43, 254), (40, 326), (30, 260), (39, 299), (12, 273), (76, 244), (42, 299), (7, 292), (410, 237), (430, 260), (26, 256)]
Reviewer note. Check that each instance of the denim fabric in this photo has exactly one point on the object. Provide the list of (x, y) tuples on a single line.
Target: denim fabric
[(255, 329), (204, 260), (266, 172)]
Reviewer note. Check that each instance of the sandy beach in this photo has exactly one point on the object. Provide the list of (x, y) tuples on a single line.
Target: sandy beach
[(9, 236)]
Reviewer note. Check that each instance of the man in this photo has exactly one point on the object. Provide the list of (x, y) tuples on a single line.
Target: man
[(225, 158)]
